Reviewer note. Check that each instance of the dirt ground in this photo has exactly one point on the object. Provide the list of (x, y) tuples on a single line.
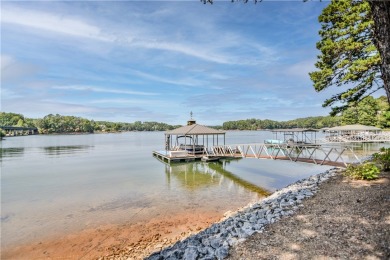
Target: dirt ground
[(346, 219)]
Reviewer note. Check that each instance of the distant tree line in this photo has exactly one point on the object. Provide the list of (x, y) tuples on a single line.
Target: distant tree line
[(307, 122), (369, 111), (70, 124)]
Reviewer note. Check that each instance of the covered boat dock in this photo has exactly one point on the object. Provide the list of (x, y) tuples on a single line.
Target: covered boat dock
[(190, 142), (298, 145), (294, 136), (355, 134)]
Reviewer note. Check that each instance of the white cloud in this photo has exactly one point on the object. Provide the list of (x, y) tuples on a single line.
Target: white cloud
[(6, 61), (199, 51), (301, 69), (181, 82), (12, 69), (236, 53), (124, 101), (104, 90), (142, 37), (6, 94), (50, 22)]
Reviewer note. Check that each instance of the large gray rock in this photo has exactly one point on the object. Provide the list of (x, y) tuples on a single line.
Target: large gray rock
[(216, 242), (190, 253), (222, 252)]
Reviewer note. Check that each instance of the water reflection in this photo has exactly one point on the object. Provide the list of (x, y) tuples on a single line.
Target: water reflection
[(11, 152), (198, 175), (221, 168), (66, 150), (192, 176)]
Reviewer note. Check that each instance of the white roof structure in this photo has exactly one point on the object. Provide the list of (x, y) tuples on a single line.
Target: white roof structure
[(353, 128), (194, 129), (295, 130)]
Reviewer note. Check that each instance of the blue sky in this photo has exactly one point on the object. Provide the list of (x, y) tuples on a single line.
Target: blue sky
[(126, 61)]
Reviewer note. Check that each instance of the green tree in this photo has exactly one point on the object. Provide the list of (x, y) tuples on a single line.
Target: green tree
[(383, 117), (350, 115), (368, 110), (20, 123), (348, 54), (11, 119)]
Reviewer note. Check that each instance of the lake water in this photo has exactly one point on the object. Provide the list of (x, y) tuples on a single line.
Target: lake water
[(58, 184)]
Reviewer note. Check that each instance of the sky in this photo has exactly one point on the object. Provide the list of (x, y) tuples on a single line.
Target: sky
[(126, 61)]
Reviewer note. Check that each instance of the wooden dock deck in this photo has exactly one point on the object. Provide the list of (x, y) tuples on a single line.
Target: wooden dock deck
[(164, 157)]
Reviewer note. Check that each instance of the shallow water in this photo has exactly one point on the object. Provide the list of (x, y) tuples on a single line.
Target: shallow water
[(59, 184)]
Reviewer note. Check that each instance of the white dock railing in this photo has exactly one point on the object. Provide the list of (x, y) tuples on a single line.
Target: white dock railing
[(318, 154)]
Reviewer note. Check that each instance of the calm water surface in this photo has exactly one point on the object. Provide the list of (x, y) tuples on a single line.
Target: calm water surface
[(65, 183)]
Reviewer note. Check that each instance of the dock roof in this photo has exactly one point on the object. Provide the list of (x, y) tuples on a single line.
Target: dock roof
[(353, 128), (295, 130), (194, 129)]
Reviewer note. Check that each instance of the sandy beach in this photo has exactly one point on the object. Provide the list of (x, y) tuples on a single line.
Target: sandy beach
[(136, 240)]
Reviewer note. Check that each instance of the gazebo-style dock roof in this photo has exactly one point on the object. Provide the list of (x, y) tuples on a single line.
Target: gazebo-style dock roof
[(190, 142), (198, 136), (195, 129)]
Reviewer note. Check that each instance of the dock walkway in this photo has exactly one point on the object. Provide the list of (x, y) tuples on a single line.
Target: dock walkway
[(335, 155)]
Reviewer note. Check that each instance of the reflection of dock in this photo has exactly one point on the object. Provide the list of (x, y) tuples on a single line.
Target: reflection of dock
[(197, 175), (250, 186)]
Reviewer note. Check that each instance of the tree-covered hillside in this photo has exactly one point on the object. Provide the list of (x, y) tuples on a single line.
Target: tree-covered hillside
[(71, 124), (307, 122), (369, 111)]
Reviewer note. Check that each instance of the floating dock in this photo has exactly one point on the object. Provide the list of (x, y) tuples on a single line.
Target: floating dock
[(169, 157), (165, 157)]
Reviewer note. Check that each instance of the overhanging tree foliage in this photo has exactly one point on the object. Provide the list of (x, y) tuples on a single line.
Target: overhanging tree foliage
[(375, 32), (348, 53)]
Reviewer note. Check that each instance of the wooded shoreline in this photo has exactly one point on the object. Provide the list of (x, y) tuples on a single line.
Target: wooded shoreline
[(372, 112)]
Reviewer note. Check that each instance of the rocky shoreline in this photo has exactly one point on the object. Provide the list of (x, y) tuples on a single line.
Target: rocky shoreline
[(215, 241)]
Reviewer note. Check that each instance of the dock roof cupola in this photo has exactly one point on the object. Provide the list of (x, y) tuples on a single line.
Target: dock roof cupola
[(191, 121)]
